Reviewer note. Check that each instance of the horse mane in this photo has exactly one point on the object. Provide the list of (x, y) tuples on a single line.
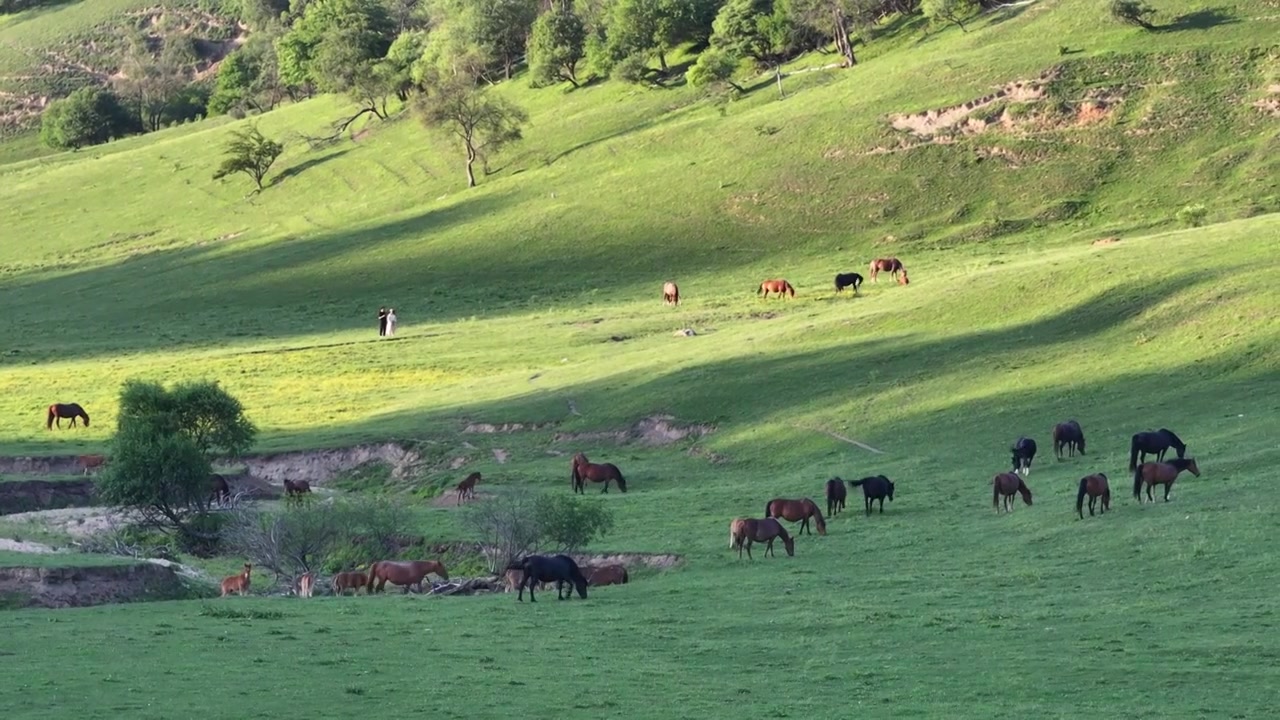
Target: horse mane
[(1180, 463), (1174, 439), (820, 521)]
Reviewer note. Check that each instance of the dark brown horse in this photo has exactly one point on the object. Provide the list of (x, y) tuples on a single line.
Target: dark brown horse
[(836, 495), (581, 470), (467, 488), (890, 265), (1003, 486), (1095, 486), (606, 575), (782, 287), (745, 531), (219, 490), (1161, 473), (799, 510), (295, 489), (876, 487), (92, 461), (1068, 435), (404, 573), (670, 294), (62, 411), (344, 581)]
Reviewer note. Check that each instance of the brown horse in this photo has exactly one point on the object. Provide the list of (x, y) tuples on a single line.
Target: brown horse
[(467, 488), (403, 573), (306, 584), (782, 287), (515, 578), (745, 531), (890, 265), (91, 461), (670, 294), (1161, 473), (348, 580), (295, 489), (219, 489), (1095, 486), (61, 411), (237, 583), (836, 495), (606, 575), (581, 470), (1004, 486), (1068, 435), (797, 511)]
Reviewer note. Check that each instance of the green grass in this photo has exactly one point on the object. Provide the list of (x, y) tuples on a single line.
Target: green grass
[(56, 560), (131, 263)]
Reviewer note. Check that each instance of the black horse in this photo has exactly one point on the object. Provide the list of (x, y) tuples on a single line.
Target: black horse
[(876, 487), (219, 490), (835, 496), (1154, 443), (1068, 435), (1024, 451), (844, 280), (560, 569)]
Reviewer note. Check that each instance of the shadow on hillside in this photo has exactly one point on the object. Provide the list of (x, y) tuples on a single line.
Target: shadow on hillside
[(1201, 20), (305, 165)]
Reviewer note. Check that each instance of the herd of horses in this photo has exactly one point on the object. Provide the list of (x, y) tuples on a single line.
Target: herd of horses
[(783, 288)]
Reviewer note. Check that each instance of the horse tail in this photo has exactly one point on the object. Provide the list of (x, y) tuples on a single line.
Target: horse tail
[(48, 422), (767, 507), (1084, 487), (373, 575), (855, 483), (1137, 483), (622, 482), (1133, 453), (760, 291)]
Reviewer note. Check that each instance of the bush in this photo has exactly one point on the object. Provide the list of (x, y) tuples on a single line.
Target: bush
[(1133, 12), (632, 69), (1193, 215), (566, 524), (520, 523), (89, 116)]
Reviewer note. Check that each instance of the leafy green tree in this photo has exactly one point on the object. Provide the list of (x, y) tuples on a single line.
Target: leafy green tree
[(249, 152), (833, 20), (329, 33), (758, 29), (405, 50), (566, 524), (234, 85), (165, 443), (953, 12), (482, 121), (715, 66), (88, 116), (650, 26), (1133, 12), (556, 46)]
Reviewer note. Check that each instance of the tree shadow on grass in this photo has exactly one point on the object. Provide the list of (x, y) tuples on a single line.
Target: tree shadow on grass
[(305, 165), (1200, 20)]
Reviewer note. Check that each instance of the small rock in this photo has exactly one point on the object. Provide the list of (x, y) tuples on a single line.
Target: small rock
[(687, 332)]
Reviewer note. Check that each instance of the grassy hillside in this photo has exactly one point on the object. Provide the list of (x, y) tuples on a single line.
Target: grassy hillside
[(536, 298)]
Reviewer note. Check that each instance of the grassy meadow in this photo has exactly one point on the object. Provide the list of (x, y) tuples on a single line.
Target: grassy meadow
[(535, 298)]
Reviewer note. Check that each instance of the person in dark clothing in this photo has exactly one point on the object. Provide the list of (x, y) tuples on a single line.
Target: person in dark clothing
[(382, 322)]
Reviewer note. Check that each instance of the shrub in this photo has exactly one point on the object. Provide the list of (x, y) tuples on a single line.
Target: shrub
[(519, 523), (1193, 215), (1133, 12)]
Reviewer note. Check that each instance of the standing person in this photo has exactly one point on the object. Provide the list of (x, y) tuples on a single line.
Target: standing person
[(382, 321), (391, 322)]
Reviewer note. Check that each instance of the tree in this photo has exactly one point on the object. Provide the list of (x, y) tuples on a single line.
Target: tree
[(163, 449), (88, 116), (1133, 12), (330, 33), (405, 50), (758, 29), (714, 66), (249, 152), (566, 524), (234, 86), (518, 523), (556, 46), (950, 11), (650, 26), (482, 121), (833, 19)]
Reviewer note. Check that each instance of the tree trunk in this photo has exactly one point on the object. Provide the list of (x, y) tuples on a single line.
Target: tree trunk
[(662, 60), (471, 161), (777, 75), (843, 45)]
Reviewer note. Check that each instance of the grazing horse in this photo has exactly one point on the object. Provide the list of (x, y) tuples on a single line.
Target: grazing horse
[(1154, 443), (560, 569), (1095, 486), (670, 294), (295, 489), (306, 584), (891, 265), (844, 280), (797, 511), (61, 411), (403, 573), (1004, 486), (1068, 435), (344, 581), (607, 575), (1161, 473), (91, 461), (467, 488), (745, 531), (582, 470), (876, 487), (219, 490), (782, 287), (237, 583), (836, 495), (1024, 451)]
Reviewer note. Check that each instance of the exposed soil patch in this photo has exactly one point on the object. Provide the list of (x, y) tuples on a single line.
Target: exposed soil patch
[(1106, 241), (506, 427), (76, 522), (933, 122), (320, 466), (1270, 105), (657, 430), (28, 495), (84, 586)]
